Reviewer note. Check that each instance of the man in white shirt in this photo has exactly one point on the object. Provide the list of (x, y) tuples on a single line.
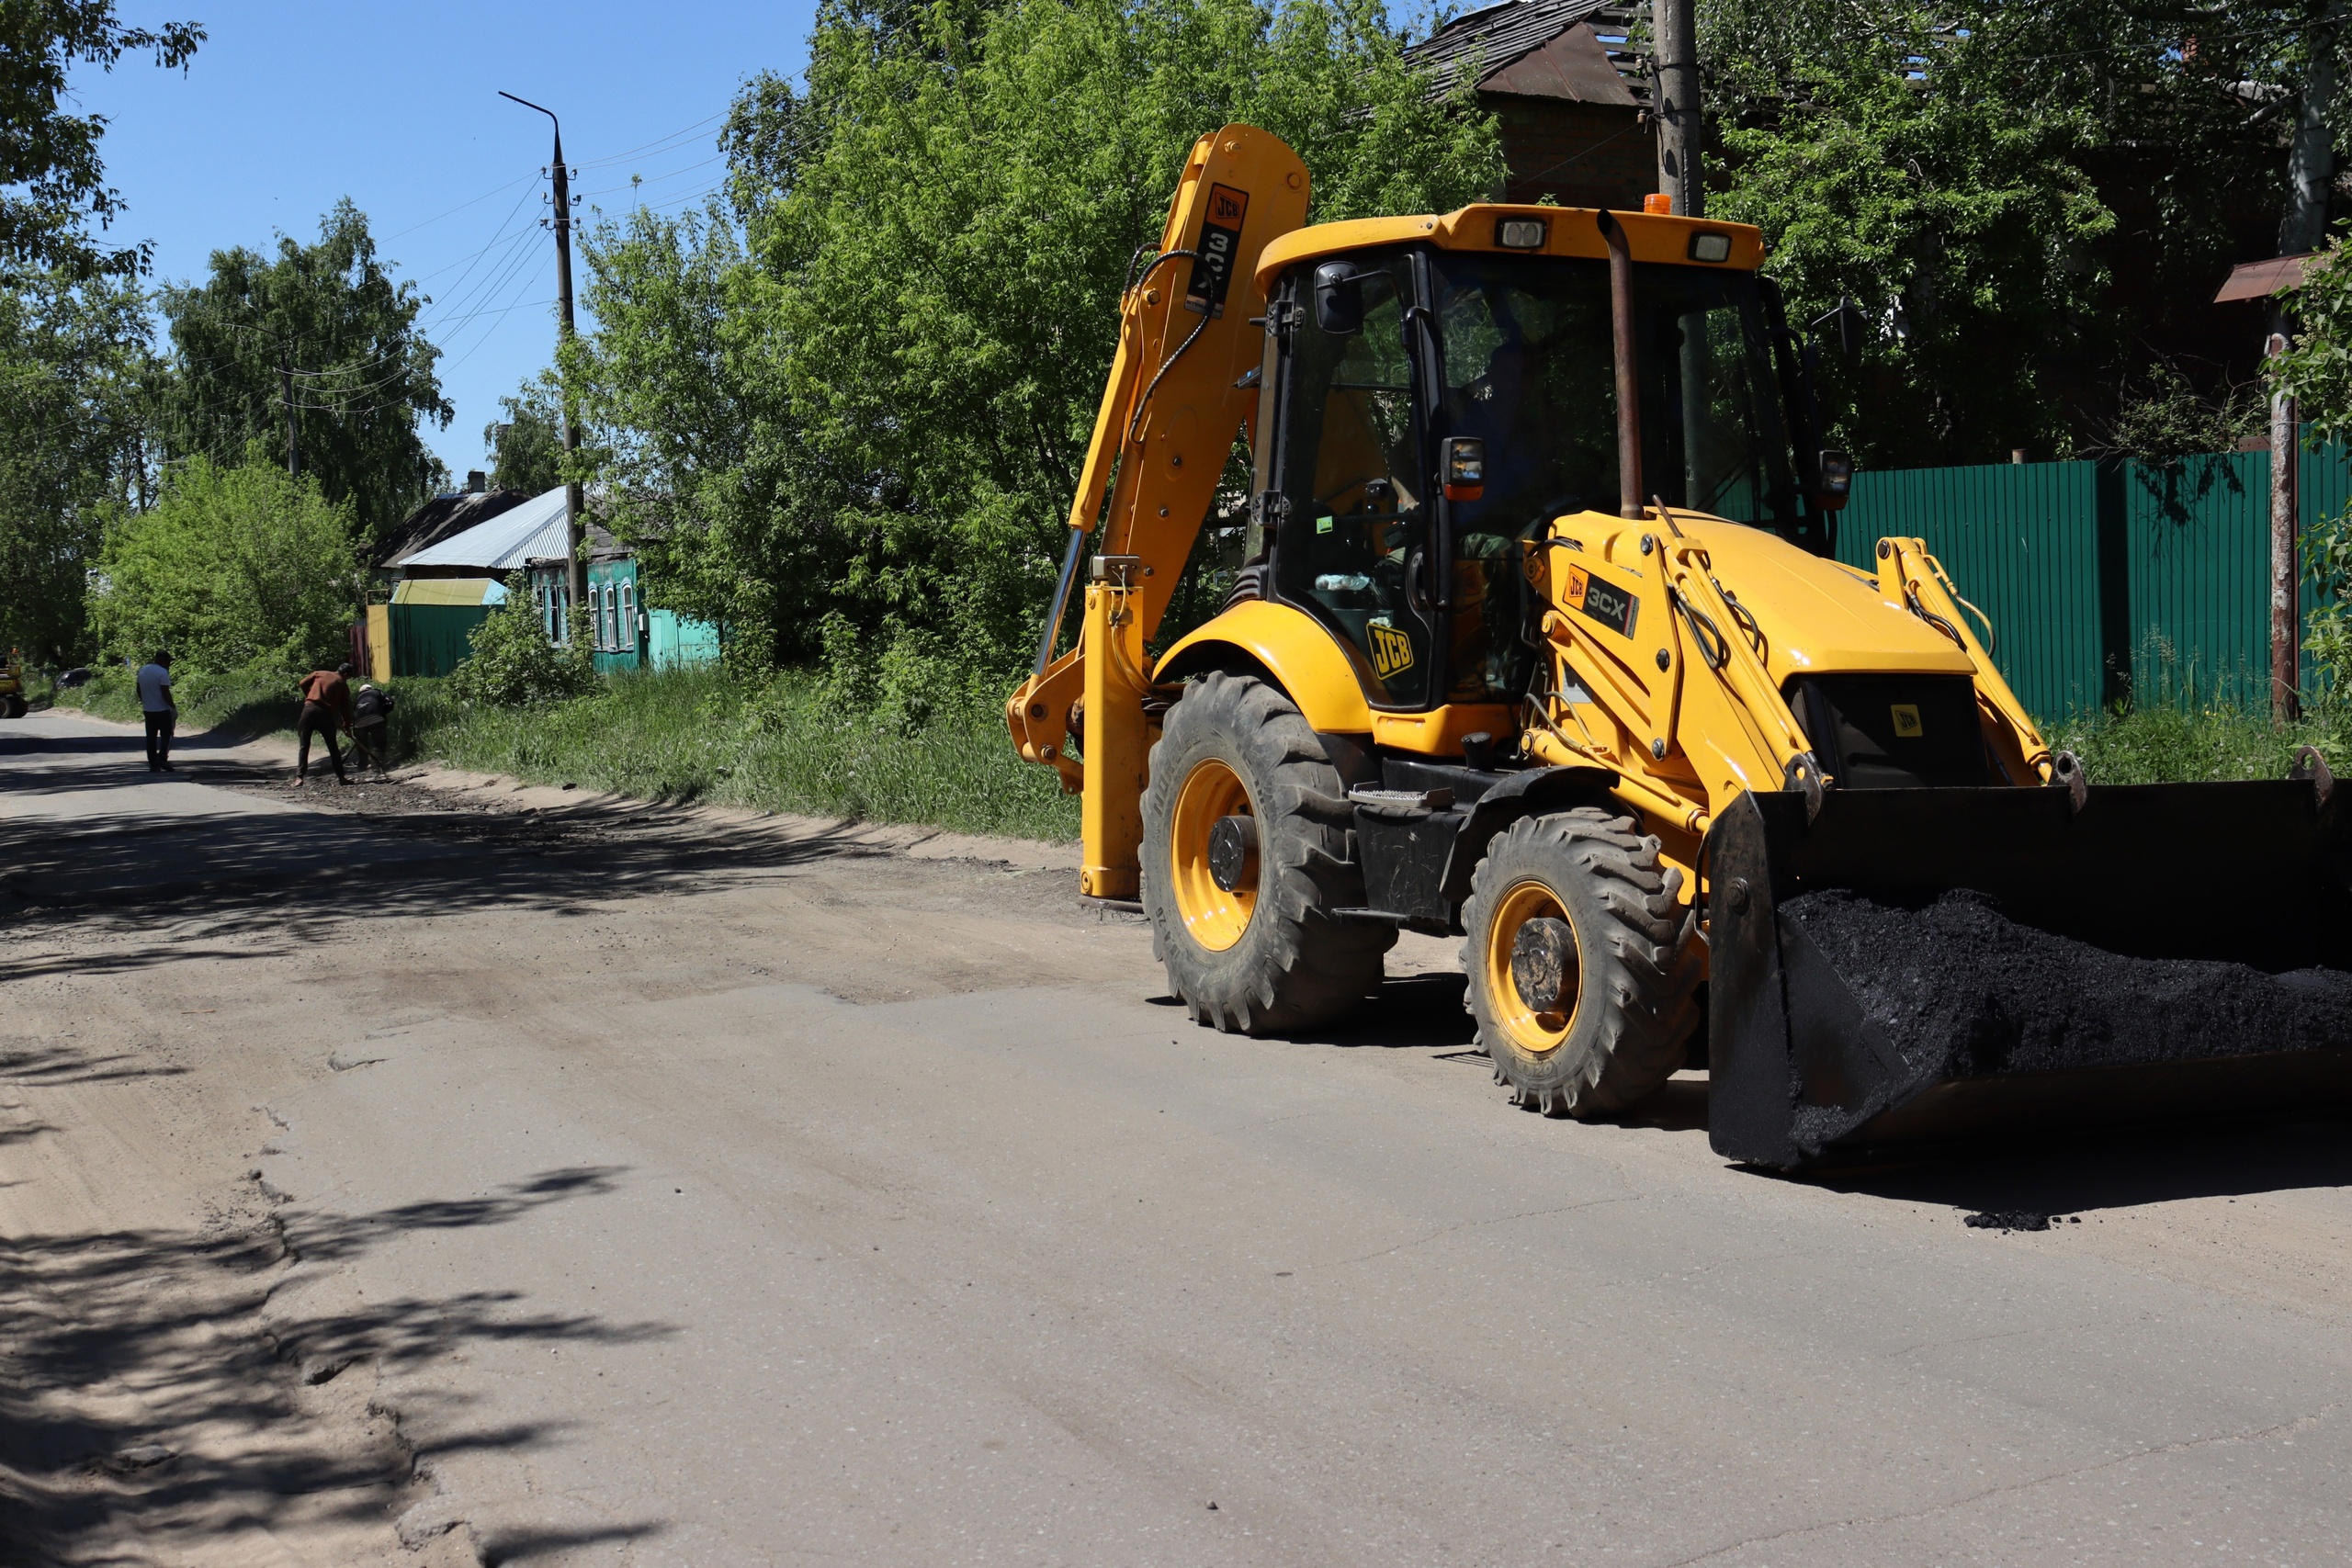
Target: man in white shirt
[(163, 713)]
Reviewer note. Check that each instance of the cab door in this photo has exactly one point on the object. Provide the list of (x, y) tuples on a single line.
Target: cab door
[(1354, 518)]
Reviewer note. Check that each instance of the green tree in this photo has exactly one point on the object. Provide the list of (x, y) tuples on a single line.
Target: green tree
[(1897, 169), (2031, 203), (234, 569), (52, 183), (526, 446), (511, 663), (74, 367), (857, 417), (363, 378)]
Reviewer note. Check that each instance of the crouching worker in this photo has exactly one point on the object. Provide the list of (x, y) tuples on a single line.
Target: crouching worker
[(371, 713), (326, 708)]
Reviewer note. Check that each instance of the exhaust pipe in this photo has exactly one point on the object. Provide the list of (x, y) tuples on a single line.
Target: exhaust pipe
[(1916, 967), (1629, 379)]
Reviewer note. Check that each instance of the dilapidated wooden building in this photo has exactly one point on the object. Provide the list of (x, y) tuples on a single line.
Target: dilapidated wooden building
[(1568, 84)]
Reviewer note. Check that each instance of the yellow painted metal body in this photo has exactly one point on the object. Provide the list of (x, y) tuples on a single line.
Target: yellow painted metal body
[(1652, 237), (1117, 740), (1317, 670), (1170, 413), (1686, 702)]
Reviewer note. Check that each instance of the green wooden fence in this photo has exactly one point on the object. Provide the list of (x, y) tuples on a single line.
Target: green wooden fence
[(2108, 579)]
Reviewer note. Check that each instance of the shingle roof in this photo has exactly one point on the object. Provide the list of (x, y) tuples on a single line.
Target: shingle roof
[(1493, 37)]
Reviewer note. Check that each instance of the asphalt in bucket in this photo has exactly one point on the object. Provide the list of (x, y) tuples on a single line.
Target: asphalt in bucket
[(1962, 991)]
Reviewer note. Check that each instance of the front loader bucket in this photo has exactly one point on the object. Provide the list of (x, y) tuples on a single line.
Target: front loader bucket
[(1921, 966)]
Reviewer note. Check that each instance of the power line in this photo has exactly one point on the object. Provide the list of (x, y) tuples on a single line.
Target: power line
[(436, 218), (661, 142), (656, 179)]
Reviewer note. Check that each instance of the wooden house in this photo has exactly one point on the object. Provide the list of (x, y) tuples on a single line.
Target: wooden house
[(1567, 83)]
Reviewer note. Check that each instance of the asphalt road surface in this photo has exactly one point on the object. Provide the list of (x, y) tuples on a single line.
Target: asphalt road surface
[(424, 1174)]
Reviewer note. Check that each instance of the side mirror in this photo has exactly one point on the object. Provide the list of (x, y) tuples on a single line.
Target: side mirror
[(1848, 322), (1462, 468), (1837, 472), (1339, 299)]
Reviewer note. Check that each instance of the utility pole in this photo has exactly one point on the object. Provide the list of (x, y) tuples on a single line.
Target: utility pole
[(573, 502), (1679, 132), (2286, 575), (286, 382)]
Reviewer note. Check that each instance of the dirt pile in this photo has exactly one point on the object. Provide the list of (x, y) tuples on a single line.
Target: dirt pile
[(1960, 990)]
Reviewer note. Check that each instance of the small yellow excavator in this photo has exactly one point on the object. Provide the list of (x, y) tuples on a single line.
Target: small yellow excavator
[(1537, 640)]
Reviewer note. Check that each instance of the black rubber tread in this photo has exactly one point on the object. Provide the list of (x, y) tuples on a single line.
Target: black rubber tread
[(1295, 967), (1638, 948)]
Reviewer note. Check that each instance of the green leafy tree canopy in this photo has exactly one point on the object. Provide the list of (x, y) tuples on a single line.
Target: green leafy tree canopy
[(526, 446), (52, 183), (363, 373), (863, 386), (235, 569), (75, 366)]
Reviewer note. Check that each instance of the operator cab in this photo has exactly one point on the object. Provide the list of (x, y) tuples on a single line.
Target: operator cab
[(1381, 358)]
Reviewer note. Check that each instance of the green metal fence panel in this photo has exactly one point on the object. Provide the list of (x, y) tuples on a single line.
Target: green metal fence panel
[(433, 639), (2108, 579), (2197, 534), (682, 644), (2022, 542)]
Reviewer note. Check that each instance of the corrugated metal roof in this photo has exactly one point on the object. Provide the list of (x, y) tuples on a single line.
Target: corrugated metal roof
[(443, 517), (506, 541), (1498, 35)]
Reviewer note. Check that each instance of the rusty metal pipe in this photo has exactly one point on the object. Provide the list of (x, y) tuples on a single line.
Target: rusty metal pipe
[(1628, 370), (1629, 380)]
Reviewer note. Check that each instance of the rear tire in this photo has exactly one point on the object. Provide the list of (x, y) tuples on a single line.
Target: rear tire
[(1264, 955), (1625, 1004)]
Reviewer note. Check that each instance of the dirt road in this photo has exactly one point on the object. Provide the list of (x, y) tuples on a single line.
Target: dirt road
[(418, 1175)]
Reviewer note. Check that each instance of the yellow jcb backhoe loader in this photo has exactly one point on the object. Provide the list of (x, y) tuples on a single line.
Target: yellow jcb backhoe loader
[(1537, 640)]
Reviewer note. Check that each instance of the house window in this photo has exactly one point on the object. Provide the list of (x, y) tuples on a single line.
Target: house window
[(612, 635), (628, 615)]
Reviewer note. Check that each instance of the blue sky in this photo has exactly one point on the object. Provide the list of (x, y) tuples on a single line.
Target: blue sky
[(289, 107)]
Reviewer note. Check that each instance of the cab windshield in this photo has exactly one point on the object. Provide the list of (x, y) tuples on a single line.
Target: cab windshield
[(1529, 367)]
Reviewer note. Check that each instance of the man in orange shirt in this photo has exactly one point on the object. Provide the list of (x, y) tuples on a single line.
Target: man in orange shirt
[(326, 708)]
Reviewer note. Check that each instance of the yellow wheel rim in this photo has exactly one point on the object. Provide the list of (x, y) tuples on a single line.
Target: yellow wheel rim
[(1531, 1031), (1215, 918)]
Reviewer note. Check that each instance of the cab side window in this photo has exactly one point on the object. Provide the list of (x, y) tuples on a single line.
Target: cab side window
[(1358, 516)]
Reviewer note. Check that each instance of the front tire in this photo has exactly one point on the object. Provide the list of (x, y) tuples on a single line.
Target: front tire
[(1262, 955), (1582, 962)]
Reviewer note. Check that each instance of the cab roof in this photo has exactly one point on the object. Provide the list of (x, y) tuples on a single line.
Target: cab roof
[(1569, 231)]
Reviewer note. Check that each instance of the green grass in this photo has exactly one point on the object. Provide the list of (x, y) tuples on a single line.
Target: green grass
[(792, 745), (2166, 743), (688, 734), (238, 704)]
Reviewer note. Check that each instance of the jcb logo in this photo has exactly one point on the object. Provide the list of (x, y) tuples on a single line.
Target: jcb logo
[(1392, 650), (1907, 721), (1227, 204)]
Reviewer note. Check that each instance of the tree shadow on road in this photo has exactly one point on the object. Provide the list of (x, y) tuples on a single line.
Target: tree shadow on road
[(145, 1395), (210, 886)]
